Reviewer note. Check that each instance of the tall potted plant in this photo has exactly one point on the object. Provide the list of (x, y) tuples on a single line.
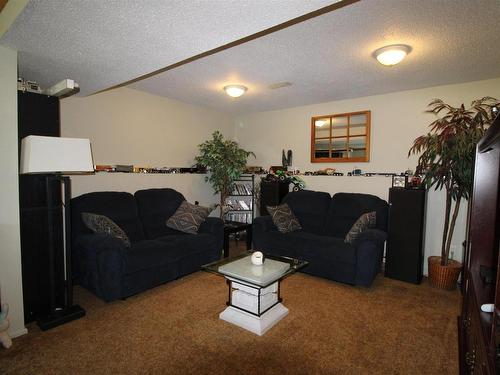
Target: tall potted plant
[(226, 162), (446, 161)]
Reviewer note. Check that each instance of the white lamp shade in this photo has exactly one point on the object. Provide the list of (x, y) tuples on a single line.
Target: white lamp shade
[(41, 154)]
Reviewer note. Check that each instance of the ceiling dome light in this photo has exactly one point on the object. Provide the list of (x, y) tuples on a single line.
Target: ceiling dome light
[(392, 55), (235, 91)]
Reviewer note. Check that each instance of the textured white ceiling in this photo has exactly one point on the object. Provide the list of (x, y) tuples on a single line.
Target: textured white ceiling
[(103, 43), (329, 57)]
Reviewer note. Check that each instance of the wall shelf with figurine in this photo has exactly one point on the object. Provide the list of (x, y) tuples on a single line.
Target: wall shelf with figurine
[(401, 179)]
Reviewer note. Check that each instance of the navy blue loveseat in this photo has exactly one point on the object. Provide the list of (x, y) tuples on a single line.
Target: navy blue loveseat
[(103, 265), (325, 221)]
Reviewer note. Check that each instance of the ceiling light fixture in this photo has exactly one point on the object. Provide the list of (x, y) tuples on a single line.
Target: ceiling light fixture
[(392, 55), (235, 91)]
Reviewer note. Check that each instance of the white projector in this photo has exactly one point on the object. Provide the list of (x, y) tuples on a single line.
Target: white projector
[(63, 89)]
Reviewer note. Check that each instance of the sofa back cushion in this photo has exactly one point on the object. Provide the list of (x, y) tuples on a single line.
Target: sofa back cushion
[(310, 207), (118, 206), (155, 208), (346, 208)]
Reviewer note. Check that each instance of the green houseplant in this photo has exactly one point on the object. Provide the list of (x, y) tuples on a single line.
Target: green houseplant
[(226, 162), (446, 161)]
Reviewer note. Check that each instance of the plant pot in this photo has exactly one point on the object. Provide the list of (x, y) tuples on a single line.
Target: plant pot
[(443, 277)]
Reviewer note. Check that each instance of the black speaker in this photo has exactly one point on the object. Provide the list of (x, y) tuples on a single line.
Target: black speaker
[(405, 245), (39, 115), (271, 194)]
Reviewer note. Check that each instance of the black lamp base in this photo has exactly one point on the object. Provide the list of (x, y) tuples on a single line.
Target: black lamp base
[(60, 317)]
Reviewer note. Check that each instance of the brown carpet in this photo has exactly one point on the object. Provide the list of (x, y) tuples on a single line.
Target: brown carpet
[(390, 328)]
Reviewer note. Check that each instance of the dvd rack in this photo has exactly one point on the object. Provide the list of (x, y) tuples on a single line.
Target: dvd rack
[(241, 200)]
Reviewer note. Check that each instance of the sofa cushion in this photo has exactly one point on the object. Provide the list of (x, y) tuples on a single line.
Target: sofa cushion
[(364, 222), (312, 246), (103, 224), (164, 250), (346, 208), (150, 254), (283, 218), (275, 243), (188, 218), (118, 206), (190, 243), (155, 208), (310, 207)]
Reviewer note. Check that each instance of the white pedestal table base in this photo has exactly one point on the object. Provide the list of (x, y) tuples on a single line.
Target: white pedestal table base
[(253, 323)]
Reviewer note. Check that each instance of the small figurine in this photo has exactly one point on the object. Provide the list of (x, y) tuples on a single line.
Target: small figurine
[(286, 161)]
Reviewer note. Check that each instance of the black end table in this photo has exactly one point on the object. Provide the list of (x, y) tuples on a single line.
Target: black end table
[(235, 227)]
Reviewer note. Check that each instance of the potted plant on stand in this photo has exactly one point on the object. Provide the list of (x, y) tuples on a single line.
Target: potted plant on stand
[(225, 161), (446, 161)]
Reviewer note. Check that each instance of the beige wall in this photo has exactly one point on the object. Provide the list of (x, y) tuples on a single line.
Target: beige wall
[(128, 126), (10, 251), (132, 127), (192, 186), (397, 119)]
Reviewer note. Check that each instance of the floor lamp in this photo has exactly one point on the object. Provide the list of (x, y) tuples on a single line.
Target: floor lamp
[(54, 158)]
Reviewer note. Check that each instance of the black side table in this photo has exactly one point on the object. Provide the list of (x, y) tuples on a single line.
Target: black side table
[(235, 227)]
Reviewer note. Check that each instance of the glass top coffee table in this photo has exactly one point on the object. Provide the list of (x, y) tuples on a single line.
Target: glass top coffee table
[(254, 290)]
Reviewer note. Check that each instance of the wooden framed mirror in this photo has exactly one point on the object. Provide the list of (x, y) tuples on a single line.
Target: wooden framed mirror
[(343, 137)]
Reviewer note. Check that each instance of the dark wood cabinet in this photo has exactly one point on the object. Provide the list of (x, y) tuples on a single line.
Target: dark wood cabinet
[(479, 332), (38, 115), (405, 243), (475, 358), (271, 194)]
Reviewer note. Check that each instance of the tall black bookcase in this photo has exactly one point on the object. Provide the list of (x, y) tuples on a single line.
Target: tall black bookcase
[(405, 243), (39, 115)]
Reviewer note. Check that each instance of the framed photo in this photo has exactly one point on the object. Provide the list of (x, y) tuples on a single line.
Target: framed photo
[(399, 181)]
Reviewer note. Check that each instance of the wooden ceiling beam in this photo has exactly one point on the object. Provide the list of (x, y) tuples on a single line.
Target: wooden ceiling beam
[(281, 26)]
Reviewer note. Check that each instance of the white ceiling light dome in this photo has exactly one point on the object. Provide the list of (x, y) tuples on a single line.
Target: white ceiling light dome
[(235, 91), (392, 55)]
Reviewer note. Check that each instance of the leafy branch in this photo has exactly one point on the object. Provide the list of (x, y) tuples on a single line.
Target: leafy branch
[(447, 155), (226, 161)]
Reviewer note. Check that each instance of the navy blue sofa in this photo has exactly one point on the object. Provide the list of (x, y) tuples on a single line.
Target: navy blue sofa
[(103, 265), (325, 221)]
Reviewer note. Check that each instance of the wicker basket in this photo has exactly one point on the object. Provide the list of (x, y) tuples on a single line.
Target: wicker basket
[(443, 277)]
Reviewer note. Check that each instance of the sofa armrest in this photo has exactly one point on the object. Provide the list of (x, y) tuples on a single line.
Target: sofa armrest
[(212, 225), (215, 227), (369, 252), (372, 235), (100, 260), (264, 224)]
